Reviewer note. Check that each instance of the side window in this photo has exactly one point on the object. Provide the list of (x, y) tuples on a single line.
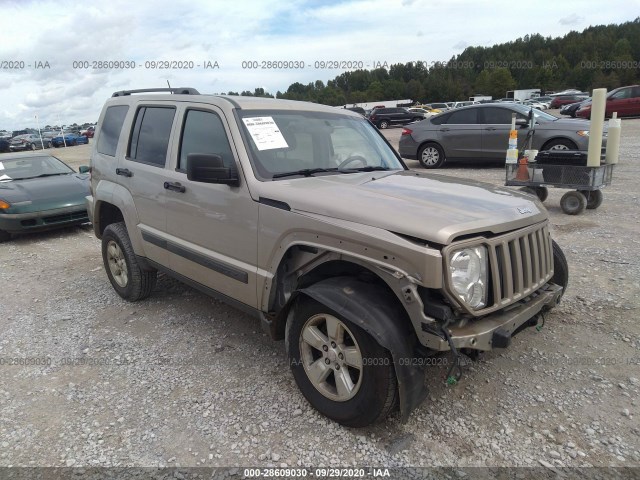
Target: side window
[(110, 129), (151, 133), (203, 132), (636, 92), (440, 119), (499, 116), (467, 116), (622, 94)]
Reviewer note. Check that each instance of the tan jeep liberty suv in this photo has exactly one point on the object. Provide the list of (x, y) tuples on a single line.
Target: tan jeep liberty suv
[(305, 216)]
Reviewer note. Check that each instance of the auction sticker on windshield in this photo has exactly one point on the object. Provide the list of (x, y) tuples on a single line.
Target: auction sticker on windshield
[(265, 133)]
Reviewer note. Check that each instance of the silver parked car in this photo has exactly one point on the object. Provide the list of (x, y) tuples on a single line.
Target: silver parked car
[(481, 133)]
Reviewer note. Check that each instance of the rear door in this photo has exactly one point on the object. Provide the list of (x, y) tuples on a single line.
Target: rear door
[(142, 172), (212, 228), (621, 102), (461, 135)]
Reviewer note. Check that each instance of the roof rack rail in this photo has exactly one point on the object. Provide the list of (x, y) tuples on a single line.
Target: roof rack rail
[(177, 91)]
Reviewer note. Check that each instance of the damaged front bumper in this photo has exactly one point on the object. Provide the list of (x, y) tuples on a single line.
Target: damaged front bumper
[(494, 330)]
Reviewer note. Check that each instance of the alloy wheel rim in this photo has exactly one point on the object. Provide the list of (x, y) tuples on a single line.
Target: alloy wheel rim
[(331, 357), (117, 264)]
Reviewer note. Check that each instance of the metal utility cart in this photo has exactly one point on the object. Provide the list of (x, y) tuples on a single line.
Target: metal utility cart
[(562, 169)]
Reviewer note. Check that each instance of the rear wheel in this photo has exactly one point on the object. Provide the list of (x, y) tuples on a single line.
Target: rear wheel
[(4, 236), (383, 124), (431, 156), (127, 278), (594, 198), (340, 369), (31, 146), (573, 203)]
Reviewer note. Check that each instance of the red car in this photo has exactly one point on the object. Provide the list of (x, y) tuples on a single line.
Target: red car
[(88, 132), (624, 100), (561, 100)]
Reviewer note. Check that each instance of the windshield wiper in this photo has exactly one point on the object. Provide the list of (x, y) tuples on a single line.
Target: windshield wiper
[(368, 168), (307, 172), (44, 175)]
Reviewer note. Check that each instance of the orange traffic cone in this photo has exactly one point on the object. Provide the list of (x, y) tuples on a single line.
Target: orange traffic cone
[(523, 171)]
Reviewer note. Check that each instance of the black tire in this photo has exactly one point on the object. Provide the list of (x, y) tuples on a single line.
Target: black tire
[(560, 144), (382, 124), (417, 119), (32, 147), (529, 190), (560, 268), (431, 155), (377, 391), (74, 143), (4, 236), (573, 203), (137, 283), (594, 198), (542, 193)]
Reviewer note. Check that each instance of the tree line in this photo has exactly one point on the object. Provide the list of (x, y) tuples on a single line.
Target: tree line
[(601, 56)]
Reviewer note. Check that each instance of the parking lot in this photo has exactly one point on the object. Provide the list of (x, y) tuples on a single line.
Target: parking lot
[(87, 379)]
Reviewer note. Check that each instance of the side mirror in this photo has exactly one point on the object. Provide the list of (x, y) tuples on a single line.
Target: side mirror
[(522, 122), (84, 169), (209, 168)]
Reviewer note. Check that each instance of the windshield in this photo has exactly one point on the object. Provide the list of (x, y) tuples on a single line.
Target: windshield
[(313, 143), (30, 167), (537, 114)]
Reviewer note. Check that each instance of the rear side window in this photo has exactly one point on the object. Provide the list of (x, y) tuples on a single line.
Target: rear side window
[(204, 132), (464, 117), (495, 115), (151, 133), (110, 129)]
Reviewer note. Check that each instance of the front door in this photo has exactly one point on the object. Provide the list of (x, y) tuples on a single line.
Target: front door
[(212, 228)]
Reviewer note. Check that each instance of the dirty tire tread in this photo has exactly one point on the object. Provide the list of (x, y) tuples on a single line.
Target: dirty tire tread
[(387, 388), (560, 268), (141, 283)]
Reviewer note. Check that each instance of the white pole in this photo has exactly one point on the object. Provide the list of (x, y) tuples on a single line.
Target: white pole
[(598, 103), (39, 132), (613, 140)]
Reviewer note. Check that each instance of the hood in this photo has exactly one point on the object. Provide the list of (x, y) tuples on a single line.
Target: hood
[(46, 193), (573, 124), (431, 207)]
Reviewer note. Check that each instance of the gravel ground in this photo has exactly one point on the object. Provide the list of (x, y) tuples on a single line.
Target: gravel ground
[(183, 380)]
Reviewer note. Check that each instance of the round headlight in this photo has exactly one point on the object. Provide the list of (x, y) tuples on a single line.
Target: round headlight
[(468, 270)]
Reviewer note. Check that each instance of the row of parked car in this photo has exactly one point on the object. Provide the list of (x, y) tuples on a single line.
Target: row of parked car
[(32, 141), (624, 100)]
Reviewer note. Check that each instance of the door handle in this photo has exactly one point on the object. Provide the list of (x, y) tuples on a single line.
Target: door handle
[(444, 129), (125, 172), (491, 128), (175, 186)]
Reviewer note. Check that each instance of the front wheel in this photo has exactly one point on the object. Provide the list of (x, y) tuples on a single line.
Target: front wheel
[(127, 278), (560, 268), (4, 236), (32, 146), (431, 156), (340, 369), (560, 144), (382, 124)]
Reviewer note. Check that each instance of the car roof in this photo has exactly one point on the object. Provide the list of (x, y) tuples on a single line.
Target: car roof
[(233, 101)]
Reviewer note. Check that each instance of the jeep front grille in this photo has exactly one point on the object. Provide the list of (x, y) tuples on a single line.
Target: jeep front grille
[(519, 263)]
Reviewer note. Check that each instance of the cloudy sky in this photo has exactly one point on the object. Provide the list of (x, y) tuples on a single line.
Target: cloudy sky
[(55, 34)]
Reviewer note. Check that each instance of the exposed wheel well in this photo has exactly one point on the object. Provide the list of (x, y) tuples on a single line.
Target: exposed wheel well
[(108, 214), (285, 288)]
